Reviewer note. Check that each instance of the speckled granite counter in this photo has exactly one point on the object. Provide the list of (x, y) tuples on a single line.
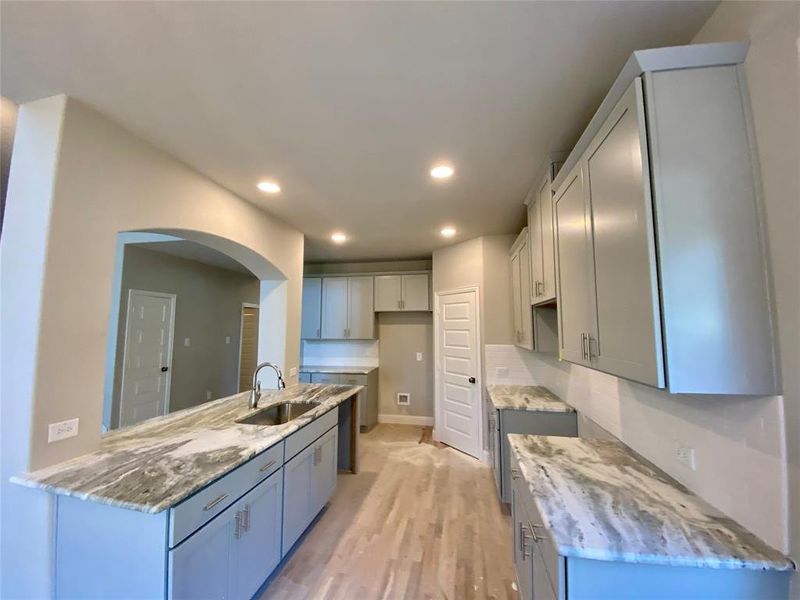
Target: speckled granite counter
[(534, 398), (600, 500), (154, 465), (345, 370)]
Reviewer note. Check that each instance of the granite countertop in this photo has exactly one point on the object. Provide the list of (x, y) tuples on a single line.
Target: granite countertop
[(155, 465), (347, 370), (534, 398), (600, 500)]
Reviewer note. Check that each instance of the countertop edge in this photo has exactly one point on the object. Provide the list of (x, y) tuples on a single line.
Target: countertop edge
[(491, 394)]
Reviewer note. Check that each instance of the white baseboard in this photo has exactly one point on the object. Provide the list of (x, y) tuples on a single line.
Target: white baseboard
[(405, 420)]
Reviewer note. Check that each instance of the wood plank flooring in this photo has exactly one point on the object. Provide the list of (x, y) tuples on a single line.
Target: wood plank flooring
[(419, 521)]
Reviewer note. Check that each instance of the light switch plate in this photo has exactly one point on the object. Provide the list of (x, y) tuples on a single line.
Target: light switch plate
[(419, 356), (187, 342), (62, 430), (227, 339)]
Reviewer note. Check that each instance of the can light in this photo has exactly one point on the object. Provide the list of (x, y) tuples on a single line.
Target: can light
[(448, 232), (269, 187), (442, 171), (339, 237)]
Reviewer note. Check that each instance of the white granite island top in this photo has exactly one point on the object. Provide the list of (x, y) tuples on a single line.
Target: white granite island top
[(534, 398), (343, 370), (599, 500), (154, 465)]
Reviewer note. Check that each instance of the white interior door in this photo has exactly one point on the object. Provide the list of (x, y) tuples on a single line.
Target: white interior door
[(148, 356), (459, 413)]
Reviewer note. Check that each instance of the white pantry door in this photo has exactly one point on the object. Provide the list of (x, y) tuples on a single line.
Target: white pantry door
[(148, 356), (459, 412)]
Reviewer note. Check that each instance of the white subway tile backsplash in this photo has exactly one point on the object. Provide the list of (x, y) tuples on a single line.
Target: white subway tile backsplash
[(738, 441), (334, 353)]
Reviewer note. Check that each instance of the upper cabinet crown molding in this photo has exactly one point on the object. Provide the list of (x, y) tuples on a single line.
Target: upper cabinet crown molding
[(661, 265), (652, 61)]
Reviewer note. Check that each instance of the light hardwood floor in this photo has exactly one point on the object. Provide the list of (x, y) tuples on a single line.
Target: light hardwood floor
[(418, 521)]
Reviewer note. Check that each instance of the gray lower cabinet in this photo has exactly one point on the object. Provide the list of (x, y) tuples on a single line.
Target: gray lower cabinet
[(505, 421), (309, 481), (367, 399), (544, 574), (224, 541)]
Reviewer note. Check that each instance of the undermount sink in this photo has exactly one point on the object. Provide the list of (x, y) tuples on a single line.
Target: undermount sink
[(277, 414)]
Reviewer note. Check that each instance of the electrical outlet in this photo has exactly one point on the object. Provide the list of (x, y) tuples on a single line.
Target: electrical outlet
[(187, 342), (292, 371), (501, 371), (62, 430), (227, 339), (685, 456), (419, 356), (208, 394)]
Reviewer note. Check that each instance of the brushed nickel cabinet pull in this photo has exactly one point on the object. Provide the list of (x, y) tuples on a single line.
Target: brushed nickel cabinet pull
[(266, 466), (215, 501), (237, 530), (246, 518)]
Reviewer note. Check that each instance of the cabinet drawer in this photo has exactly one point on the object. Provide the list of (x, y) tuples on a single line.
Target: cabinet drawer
[(297, 441), (324, 378), (353, 379), (262, 466), (191, 514)]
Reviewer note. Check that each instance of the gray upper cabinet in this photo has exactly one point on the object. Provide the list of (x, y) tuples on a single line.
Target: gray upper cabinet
[(334, 308), (347, 308), (310, 327), (402, 292), (521, 291), (542, 235), (661, 268)]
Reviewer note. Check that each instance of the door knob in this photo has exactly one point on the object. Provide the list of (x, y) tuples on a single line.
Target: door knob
[(471, 380), (164, 369)]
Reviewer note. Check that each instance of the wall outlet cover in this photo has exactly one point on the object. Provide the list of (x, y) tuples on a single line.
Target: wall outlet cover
[(62, 430), (403, 399), (686, 456), (419, 356), (501, 371), (187, 342), (208, 394), (227, 339)]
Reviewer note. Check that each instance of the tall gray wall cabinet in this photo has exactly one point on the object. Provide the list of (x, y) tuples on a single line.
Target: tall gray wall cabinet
[(661, 268)]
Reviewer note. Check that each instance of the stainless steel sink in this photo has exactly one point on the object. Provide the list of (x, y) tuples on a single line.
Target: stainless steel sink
[(277, 414)]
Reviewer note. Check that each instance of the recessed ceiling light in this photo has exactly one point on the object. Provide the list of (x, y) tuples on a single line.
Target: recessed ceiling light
[(442, 171), (339, 237), (448, 231), (270, 187)]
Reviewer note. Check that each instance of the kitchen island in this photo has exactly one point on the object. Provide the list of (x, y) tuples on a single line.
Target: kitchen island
[(195, 503)]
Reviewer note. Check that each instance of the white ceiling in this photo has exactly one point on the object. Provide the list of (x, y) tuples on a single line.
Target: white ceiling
[(346, 104)]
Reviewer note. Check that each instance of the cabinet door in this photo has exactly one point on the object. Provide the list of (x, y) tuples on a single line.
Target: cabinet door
[(334, 308), (535, 235), (526, 316), (416, 293), (361, 321), (258, 549), (516, 295), (312, 308), (388, 293), (547, 290), (523, 546), (575, 269), (325, 468), (298, 505), (628, 313), (199, 567)]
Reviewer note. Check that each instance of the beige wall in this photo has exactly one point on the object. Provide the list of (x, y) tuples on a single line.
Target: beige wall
[(208, 307), (401, 336), (77, 180), (772, 69), (498, 323)]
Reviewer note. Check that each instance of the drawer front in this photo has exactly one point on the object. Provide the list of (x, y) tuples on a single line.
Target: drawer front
[(262, 466), (301, 439), (304, 377), (324, 378), (191, 514), (353, 379)]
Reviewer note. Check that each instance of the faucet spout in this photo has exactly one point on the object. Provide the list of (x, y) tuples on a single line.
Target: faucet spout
[(255, 390)]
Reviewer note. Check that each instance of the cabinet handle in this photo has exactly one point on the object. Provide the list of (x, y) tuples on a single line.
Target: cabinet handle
[(523, 541), (589, 346), (246, 518), (266, 466), (536, 537), (583, 346), (318, 332), (237, 530), (317, 455), (215, 501)]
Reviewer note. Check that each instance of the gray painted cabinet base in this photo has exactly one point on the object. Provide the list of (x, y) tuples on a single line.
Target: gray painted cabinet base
[(522, 421)]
